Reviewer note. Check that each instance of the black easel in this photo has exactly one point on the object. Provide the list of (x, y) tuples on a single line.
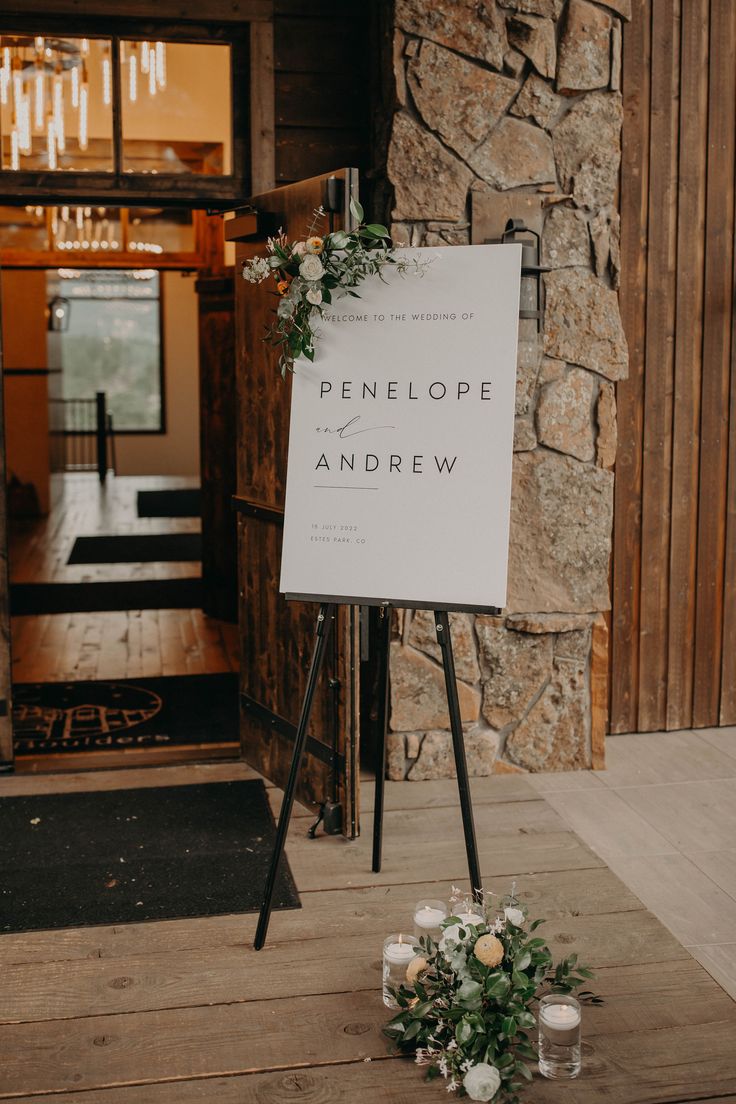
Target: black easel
[(325, 619)]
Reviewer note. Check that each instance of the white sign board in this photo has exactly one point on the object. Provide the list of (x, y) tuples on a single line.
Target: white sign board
[(400, 446)]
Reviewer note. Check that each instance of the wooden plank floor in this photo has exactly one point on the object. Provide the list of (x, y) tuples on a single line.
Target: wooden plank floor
[(183, 1011), (117, 643)]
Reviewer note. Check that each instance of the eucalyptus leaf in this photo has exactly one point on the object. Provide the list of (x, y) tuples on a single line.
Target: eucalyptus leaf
[(356, 210)]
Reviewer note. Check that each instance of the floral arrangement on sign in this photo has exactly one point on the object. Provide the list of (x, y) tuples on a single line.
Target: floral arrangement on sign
[(466, 1007), (308, 273)]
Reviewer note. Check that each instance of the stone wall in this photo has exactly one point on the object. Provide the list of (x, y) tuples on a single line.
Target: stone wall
[(522, 97)]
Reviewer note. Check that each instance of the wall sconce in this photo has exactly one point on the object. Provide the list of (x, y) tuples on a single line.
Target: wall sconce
[(60, 310), (531, 305)]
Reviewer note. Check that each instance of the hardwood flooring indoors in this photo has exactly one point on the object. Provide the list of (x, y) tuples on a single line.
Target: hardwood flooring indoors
[(111, 644)]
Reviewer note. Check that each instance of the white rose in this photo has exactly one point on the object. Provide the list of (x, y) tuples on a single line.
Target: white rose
[(314, 295), (515, 916), (311, 267), (451, 934), (482, 1082)]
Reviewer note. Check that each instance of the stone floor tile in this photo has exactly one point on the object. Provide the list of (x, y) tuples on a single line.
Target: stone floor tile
[(607, 824), (693, 816), (720, 866), (652, 758), (692, 906), (722, 738), (720, 961)]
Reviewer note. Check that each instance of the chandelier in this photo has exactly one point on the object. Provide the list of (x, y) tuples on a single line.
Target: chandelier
[(45, 83)]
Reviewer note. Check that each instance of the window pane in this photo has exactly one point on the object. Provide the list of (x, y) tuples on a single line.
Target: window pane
[(160, 230), (113, 342), (23, 228), (176, 107), (56, 103)]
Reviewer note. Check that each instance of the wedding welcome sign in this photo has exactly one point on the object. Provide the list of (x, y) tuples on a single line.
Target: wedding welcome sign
[(401, 438)]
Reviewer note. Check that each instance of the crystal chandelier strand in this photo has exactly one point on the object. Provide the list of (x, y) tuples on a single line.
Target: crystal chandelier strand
[(161, 65), (75, 85), (133, 75), (145, 57), (40, 95), (106, 78), (51, 142), (83, 110), (59, 129)]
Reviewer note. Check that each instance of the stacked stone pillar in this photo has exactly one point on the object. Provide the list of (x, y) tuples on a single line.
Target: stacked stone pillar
[(522, 96)]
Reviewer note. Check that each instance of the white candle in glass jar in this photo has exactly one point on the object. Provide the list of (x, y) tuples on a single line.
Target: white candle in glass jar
[(560, 1023), (399, 953), (429, 918)]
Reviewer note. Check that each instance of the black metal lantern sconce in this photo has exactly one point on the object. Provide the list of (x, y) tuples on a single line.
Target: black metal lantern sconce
[(532, 300), (60, 310)]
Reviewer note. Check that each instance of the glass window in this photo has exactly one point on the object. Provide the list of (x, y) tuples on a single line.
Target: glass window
[(176, 107), (23, 228), (112, 342), (56, 103)]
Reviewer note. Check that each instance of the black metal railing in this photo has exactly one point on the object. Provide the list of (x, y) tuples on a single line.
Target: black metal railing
[(82, 430)]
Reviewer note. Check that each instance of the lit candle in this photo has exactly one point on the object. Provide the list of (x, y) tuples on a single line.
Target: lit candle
[(560, 1023), (398, 951), (428, 916)]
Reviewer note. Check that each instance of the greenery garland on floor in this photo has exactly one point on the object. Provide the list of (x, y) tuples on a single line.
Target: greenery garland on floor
[(467, 1005)]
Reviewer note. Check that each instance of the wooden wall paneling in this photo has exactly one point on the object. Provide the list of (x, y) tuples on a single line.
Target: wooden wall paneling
[(627, 508), (323, 84), (218, 433), (727, 715), (658, 360), (719, 231), (688, 361), (262, 107)]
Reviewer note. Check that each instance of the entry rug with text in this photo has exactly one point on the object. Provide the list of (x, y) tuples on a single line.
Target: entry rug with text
[(153, 853), (54, 718)]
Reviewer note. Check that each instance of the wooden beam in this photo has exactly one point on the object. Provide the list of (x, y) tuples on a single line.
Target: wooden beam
[(262, 108), (218, 11)]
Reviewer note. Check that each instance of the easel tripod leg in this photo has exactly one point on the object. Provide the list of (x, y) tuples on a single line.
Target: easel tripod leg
[(384, 659), (442, 627), (324, 623)]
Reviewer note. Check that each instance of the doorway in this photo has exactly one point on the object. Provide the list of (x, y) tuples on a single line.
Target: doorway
[(113, 656)]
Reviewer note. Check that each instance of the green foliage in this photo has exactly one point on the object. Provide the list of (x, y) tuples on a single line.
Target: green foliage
[(308, 273), (461, 1012)]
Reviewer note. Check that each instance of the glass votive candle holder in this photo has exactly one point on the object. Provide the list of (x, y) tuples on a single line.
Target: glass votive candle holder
[(398, 951), (470, 911), (559, 1036), (428, 915)]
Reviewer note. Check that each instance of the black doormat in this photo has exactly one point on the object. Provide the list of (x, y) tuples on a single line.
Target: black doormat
[(182, 502), (120, 856), (137, 548), (138, 594), (57, 718)]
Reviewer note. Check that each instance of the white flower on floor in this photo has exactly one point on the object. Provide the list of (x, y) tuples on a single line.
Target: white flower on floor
[(35, 820), (482, 1082)]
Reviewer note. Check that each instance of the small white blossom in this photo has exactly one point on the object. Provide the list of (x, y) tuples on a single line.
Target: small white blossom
[(453, 1086), (442, 1066), (299, 248), (256, 271), (314, 295)]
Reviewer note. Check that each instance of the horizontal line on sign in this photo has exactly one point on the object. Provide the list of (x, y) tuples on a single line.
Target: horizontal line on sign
[(342, 487)]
